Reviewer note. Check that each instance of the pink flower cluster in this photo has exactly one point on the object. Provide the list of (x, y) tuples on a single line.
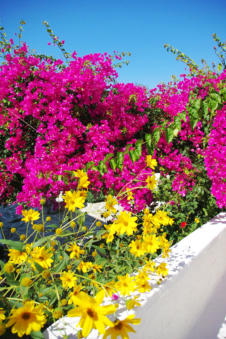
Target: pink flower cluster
[(215, 158), (55, 119), (173, 99)]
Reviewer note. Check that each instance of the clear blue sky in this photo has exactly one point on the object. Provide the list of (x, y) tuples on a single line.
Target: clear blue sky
[(141, 27)]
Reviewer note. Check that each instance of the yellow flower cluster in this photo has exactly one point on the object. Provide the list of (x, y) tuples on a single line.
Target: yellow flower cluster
[(26, 319), (110, 205), (75, 251), (150, 162), (83, 182), (75, 199), (30, 215), (63, 270), (125, 223)]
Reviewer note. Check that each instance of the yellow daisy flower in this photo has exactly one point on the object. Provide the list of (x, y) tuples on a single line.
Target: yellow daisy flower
[(30, 215), (76, 290), (75, 251), (142, 285), (83, 179), (85, 266), (57, 313), (92, 314), (131, 303), (149, 266), (75, 199), (38, 227), (121, 328), (162, 270), (110, 203), (17, 257), (137, 248), (68, 279), (151, 182), (125, 223), (125, 284), (152, 163), (26, 319), (41, 256), (151, 243), (26, 282), (129, 194), (9, 267)]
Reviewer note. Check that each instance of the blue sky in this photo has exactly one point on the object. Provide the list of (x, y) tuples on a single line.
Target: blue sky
[(141, 27)]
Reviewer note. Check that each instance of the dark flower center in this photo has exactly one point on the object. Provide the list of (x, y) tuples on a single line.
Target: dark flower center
[(91, 313), (119, 325), (26, 315)]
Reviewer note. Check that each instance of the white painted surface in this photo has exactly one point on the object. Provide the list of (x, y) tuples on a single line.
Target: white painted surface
[(190, 303)]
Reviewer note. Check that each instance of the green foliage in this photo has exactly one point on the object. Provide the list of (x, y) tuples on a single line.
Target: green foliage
[(183, 57), (17, 245), (56, 41), (198, 203), (220, 51)]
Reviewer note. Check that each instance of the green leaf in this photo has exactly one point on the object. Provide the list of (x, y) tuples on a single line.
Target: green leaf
[(132, 156), (213, 104), (11, 281), (197, 104), (17, 245), (205, 109), (94, 168), (100, 250), (177, 122), (107, 157), (223, 93), (37, 335), (2, 264), (156, 135), (136, 155), (62, 264), (100, 233), (193, 116), (183, 116), (216, 97), (169, 133), (193, 121), (149, 145), (38, 267), (128, 147), (102, 167), (81, 219), (138, 146), (89, 165), (113, 164), (101, 260), (120, 159), (43, 240)]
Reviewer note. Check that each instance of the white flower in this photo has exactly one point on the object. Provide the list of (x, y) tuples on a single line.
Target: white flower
[(60, 197)]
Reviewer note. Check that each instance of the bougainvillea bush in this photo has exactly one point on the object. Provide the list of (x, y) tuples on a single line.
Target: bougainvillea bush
[(54, 121)]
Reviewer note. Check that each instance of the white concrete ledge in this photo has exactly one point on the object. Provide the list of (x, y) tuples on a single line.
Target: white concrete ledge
[(191, 302)]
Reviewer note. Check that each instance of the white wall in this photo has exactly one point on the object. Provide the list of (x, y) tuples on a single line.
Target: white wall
[(191, 303)]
